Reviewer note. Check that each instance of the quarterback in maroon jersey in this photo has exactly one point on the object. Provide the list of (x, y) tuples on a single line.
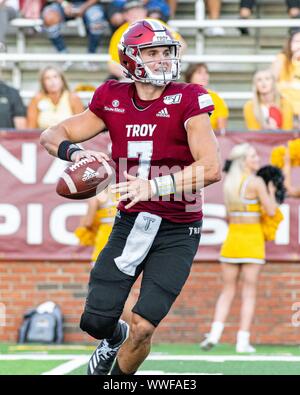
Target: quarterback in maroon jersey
[(165, 152)]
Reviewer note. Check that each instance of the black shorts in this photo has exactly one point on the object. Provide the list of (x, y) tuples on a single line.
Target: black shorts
[(165, 267)]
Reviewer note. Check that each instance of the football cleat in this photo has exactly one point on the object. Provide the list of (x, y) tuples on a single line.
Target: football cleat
[(103, 357)]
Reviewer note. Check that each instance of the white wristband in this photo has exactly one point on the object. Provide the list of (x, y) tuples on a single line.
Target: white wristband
[(153, 187), (164, 185)]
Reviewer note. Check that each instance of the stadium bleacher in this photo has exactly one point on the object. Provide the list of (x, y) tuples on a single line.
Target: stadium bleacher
[(232, 59)]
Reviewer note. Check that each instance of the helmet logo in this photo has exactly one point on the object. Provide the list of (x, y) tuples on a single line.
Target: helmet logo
[(129, 51)]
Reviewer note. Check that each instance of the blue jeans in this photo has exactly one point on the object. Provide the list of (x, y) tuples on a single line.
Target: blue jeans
[(93, 19)]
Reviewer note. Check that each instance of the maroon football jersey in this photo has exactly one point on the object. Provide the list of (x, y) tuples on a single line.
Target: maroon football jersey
[(152, 141)]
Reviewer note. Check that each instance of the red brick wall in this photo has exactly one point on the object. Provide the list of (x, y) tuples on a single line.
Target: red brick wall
[(26, 284)]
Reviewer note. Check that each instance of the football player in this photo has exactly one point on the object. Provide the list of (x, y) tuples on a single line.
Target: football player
[(165, 152)]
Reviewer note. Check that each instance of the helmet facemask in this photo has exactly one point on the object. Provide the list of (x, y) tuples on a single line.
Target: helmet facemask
[(142, 71), (169, 67)]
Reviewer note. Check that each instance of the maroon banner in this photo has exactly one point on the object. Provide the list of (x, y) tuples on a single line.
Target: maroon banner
[(36, 223)]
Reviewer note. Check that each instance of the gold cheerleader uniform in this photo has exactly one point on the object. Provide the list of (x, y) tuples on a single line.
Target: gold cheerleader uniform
[(105, 216), (245, 242), (100, 230)]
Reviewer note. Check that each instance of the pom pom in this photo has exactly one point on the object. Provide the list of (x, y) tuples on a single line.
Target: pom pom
[(270, 224), (294, 149), (272, 173), (85, 236), (278, 153), (277, 156)]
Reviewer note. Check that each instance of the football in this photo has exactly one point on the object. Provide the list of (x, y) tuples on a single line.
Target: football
[(84, 179)]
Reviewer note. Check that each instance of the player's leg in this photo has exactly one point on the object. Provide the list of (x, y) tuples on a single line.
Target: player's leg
[(107, 293), (137, 347), (130, 302), (165, 272), (250, 273), (230, 275)]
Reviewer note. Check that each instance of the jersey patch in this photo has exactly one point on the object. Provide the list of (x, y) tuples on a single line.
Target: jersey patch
[(173, 99), (205, 101)]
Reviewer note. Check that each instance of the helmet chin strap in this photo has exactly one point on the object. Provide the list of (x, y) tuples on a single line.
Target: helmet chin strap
[(158, 82)]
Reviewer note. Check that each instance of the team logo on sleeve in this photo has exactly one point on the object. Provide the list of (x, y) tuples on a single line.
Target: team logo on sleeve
[(173, 99), (205, 101)]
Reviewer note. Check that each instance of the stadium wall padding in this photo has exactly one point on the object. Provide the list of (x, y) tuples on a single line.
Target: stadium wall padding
[(24, 285)]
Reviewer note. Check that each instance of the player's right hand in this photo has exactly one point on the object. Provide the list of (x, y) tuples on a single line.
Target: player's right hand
[(78, 155)]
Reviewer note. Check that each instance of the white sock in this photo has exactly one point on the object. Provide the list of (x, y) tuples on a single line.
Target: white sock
[(216, 331), (243, 337)]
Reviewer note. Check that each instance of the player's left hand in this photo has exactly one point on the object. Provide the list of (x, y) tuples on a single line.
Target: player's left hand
[(136, 189)]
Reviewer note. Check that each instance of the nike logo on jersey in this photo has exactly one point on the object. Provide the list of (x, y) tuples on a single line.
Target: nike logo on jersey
[(163, 113), (140, 130)]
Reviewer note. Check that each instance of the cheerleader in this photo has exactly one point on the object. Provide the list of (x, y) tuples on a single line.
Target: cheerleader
[(243, 252), (95, 227), (292, 191)]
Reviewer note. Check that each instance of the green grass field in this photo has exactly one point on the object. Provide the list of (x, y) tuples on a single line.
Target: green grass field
[(164, 359)]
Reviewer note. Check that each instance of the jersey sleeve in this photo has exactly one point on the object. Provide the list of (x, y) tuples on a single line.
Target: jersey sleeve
[(196, 101), (97, 102)]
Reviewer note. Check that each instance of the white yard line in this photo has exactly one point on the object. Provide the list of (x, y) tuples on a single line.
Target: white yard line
[(67, 367), (153, 357), (224, 358), (38, 357), (74, 361)]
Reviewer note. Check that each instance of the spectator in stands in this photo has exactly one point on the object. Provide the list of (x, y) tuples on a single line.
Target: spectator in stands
[(31, 9), (243, 252), (159, 9), (114, 14), (268, 109), (214, 10), (8, 11), (54, 102), (293, 8), (133, 11), (292, 190), (60, 11), (12, 109), (246, 7), (198, 74), (286, 69)]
